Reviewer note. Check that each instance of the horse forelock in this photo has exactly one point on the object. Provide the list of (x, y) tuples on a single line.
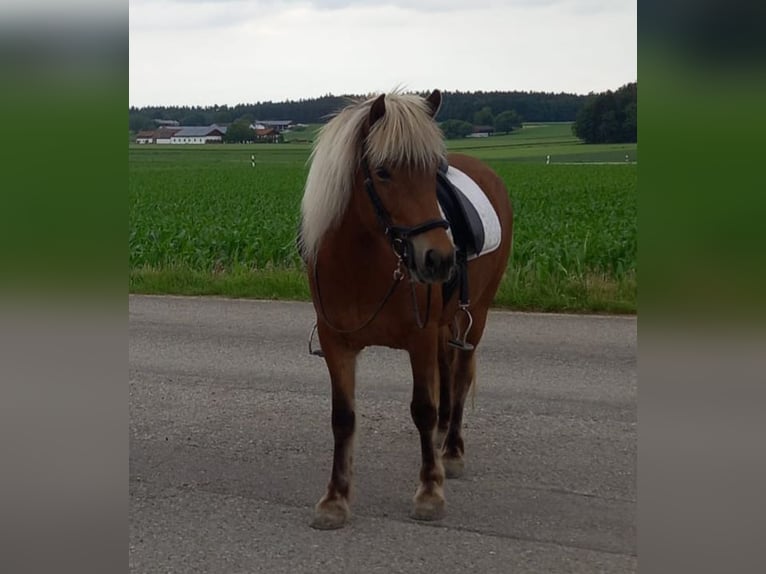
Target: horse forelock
[(406, 136)]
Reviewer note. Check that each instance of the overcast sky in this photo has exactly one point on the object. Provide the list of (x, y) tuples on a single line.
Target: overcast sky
[(204, 52)]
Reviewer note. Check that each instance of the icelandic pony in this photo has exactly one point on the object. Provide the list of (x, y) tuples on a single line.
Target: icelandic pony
[(369, 220)]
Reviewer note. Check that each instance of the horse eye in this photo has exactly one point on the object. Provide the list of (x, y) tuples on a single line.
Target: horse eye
[(383, 173)]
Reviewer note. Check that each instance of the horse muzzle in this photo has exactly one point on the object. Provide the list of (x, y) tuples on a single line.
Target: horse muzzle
[(434, 266)]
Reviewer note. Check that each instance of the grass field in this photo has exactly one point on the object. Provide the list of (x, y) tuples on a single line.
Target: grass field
[(203, 221), (535, 142)]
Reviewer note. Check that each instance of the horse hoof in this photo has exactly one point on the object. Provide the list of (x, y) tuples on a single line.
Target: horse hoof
[(331, 514), (453, 466), (428, 506)]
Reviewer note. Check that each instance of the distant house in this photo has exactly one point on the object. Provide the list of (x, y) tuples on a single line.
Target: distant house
[(164, 135), (481, 132), (159, 136), (198, 135), (277, 125), (145, 137), (267, 135)]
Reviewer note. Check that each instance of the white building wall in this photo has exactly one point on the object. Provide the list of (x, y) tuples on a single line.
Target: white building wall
[(193, 139)]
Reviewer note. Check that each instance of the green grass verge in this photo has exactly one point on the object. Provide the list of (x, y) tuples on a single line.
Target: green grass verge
[(240, 282), (519, 290), (588, 293)]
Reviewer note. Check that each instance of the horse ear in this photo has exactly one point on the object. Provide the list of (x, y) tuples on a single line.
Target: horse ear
[(435, 102), (378, 109)]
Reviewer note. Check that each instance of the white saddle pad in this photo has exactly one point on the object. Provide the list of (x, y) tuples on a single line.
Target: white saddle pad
[(480, 202)]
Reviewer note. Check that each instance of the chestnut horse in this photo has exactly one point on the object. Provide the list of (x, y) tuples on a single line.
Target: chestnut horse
[(369, 219)]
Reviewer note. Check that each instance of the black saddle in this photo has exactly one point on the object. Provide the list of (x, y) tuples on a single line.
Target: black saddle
[(467, 232), (465, 223)]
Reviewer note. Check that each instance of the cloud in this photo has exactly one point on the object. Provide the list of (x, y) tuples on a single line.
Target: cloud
[(231, 51), (189, 14), (198, 14), (589, 6)]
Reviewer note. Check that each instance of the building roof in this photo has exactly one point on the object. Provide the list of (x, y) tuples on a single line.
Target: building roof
[(275, 122), (145, 134), (166, 132), (199, 131)]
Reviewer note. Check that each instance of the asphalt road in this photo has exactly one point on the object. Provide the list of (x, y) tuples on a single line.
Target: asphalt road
[(230, 446)]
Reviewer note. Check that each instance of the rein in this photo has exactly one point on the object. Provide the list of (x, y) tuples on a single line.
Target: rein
[(400, 240)]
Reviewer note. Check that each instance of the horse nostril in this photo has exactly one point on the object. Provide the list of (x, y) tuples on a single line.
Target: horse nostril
[(438, 263), (431, 257)]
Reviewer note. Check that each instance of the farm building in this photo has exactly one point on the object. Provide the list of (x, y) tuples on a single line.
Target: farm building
[(481, 132), (164, 135), (199, 135), (267, 135), (277, 125), (145, 137), (160, 136)]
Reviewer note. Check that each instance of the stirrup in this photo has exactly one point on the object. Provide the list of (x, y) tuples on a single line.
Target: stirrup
[(318, 352), (457, 341)]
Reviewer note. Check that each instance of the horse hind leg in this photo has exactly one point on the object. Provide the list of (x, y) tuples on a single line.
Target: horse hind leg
[(333, 510), (463, 376), (454, 448), (447, 356)]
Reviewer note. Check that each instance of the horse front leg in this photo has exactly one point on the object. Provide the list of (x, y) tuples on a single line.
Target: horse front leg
[(429, 499), (333, 510), (453, 447)]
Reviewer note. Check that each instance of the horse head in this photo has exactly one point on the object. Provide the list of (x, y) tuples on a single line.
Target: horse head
[(401, 183)]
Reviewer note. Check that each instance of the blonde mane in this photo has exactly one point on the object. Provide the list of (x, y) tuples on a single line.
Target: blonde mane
[(406, 135)]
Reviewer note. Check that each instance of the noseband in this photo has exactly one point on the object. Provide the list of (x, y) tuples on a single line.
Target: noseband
[(399, 236)]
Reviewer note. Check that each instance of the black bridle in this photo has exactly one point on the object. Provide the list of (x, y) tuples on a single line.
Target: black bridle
[(400, 238)]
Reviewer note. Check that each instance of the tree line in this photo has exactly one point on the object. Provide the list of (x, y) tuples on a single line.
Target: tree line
[(505, 121), (531, 106), (609, 117)]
